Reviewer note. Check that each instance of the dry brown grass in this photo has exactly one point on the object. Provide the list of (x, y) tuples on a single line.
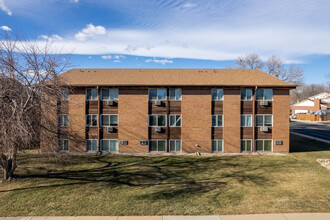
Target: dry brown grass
[(128, 185)]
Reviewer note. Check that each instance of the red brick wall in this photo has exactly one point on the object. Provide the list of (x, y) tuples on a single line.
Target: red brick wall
[(232, 120), (196, 120), (281, 130), (133, 119)]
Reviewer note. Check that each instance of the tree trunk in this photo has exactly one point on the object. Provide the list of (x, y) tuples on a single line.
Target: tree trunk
[(8, 166)]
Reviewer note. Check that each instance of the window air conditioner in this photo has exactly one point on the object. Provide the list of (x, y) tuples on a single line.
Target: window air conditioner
[(264, 103), (144, 142), (110, 103), (158, 103), (110, 129), (158, 129), (264, 129), (124, 142)]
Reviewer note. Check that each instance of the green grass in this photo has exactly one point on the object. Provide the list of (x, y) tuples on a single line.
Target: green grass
[(162, 185)]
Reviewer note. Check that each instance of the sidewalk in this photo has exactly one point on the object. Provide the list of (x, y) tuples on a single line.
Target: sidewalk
[(326, 123), (289, 216)]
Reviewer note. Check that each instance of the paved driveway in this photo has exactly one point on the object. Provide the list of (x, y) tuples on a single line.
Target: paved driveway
[(315, 129)]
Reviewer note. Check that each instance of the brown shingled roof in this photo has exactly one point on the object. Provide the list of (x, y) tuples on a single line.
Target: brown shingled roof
[(171, 77)]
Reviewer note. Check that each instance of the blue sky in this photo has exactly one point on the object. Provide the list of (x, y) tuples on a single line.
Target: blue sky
[(177, 33)]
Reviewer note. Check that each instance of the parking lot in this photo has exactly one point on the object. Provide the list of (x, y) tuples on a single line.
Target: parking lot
[(319, 130)]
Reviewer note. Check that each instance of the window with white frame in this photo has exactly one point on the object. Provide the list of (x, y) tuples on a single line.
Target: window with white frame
[(157, 145), (157, 120), (91, 120), (65, 95), (109, 145), (63, 120), (63, 145), (246, 94), (217, 120), (246, 145), (175, 120), (264, 120), (109, 120), (109, 94), (157, 94), (217, 94), (91, 145), (246, 120), (175, 94), (175, 145), (217, 145), (264, 145), (91, 94), (264, 94)]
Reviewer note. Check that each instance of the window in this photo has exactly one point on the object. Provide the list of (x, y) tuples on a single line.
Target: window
[(217, 120), (175, 145), (175, 120), (91, 94), (246, 94), (217, 94), (63, 145), (217, 145), (246, 145), (157, 120), (264, 94), (65, 95), (175, 94), (63, 120), (264, 120), (91, 120), (109, 94), (109, 120), (264, 145), (109, 145), (91, 145), (157, 145), (246, 120), (157, 94)]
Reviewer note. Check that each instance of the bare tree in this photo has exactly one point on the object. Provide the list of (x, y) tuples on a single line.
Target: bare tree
[(250, 61), (305, 91), (29, 90), (291, 74), (273, 66)]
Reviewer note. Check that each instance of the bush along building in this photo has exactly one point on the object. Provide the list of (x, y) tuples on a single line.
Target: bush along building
[(171, 110)]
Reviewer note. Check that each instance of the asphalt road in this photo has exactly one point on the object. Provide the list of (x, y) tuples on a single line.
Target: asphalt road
[(321, 131)]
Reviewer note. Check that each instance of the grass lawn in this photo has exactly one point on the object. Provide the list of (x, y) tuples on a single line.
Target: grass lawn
[(163, 185)]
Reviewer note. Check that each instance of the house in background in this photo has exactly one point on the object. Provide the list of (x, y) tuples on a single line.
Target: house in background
[(312, 104), (172, 110)]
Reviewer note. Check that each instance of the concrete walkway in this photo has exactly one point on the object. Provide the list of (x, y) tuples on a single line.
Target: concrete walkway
[(289, 216)]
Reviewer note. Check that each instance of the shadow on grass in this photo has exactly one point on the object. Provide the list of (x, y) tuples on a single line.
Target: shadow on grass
[(302, 144), (168, 176)]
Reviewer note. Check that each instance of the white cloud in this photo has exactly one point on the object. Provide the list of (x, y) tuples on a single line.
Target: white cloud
[(189, 5), (116, 57), (5, 28), (106, 57), (119, 56), (164, 61), (90, 57), (31, 73), (54, 37), (116, 61), (207, 43), (74, 1), (214, 30), (5, 8), (90, 31)]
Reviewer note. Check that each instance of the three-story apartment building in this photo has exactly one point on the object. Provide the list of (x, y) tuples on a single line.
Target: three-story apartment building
[(172, 110)]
